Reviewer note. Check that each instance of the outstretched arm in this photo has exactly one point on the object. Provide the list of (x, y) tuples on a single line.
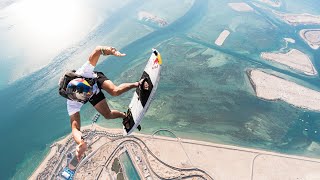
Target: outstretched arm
[(104, 50)]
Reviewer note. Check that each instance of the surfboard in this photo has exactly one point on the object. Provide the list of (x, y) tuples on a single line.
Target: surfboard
[(142, 98)]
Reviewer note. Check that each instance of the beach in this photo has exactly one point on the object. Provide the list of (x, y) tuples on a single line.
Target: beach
[(222, 37), (47, 162), (271, 87), (163, 157), (294, 59), (312, 37)]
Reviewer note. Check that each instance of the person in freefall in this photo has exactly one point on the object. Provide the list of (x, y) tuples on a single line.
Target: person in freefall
[(80, 91)]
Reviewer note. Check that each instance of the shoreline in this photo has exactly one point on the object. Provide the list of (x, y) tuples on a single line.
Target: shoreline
[(211, 159), (274, 88), (54, 147), (293, 59), (311, 37)]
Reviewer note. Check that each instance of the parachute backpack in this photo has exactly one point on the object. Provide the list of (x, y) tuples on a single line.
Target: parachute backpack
[(68, 76)]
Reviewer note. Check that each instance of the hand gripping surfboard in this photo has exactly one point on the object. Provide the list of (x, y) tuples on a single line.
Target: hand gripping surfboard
[(142, 97)]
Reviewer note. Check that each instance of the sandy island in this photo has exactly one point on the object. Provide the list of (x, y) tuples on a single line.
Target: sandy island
[(146, 16), (157, 157), (273, 3), (222, 37), (241, 7), (290, 40), (312, 37), (298, 19), (271, 87), (294, 59)]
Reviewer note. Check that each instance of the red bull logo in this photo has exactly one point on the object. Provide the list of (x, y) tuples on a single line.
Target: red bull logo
[(156, 61)]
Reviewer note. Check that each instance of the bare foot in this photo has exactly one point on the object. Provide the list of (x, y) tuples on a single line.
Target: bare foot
[(81, 148)]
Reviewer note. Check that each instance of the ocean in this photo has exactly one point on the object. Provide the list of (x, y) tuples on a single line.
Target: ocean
[(204, 92)]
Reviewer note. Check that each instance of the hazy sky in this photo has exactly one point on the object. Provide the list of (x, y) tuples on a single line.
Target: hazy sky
[(33, 32)]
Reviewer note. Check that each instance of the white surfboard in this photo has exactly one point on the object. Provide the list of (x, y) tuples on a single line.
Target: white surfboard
[(142, 98)]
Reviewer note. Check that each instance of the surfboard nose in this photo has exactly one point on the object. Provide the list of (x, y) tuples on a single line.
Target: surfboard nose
[(159, 59)]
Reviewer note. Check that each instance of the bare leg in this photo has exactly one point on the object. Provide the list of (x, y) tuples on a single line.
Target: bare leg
[(118, 90), (103, 108)]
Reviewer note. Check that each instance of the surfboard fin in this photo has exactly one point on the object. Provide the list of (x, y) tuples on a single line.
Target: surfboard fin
[(139, 128)]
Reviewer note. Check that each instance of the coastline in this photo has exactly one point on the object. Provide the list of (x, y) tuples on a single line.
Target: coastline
[(205, 159), (311, 37), (294, 59), (235, 50), (54, 149), (271, 87)]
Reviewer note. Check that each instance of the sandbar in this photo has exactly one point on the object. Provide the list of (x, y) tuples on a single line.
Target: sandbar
[(273, 3), (157, 157), (298, 19), (222, 37), (241, 7), (294, 59), (312, 37), (271, 87), (146, 16), (290, 40)]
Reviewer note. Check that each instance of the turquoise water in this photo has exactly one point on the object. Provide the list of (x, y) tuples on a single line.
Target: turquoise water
[(129, 168), (204, 92)]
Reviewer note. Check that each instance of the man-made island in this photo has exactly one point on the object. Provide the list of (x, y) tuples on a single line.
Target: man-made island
[(273, 3), (298, 19), (290, 40), (146, 16), (241, 7), (312, 37), (222, 37), (156, 157), (271, 87), (294, 59)]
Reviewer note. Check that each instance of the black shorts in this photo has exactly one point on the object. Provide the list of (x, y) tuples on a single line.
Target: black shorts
[(96, 98)]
